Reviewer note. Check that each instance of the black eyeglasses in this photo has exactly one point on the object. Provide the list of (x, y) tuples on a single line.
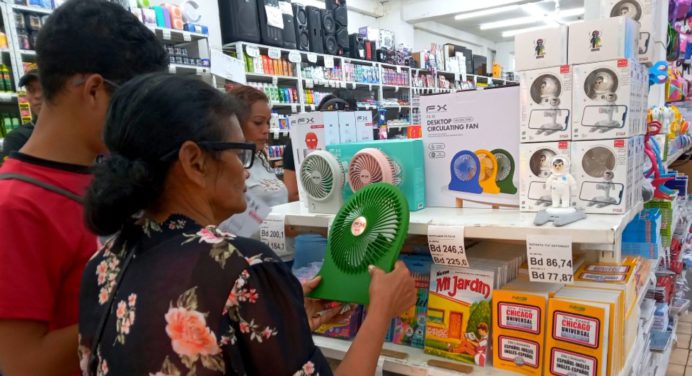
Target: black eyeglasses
[(245, 151)]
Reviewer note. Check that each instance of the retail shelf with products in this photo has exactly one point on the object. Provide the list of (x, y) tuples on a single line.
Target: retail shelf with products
[(187, 69), (599, 232), (677, 154), (413, 363), (177, 36)]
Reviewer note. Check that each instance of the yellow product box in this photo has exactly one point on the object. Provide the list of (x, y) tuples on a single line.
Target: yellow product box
[(610, 276), (577, 338)]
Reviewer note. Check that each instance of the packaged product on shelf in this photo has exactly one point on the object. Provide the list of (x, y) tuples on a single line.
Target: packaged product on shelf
[(313, 131), (611, 276), (364, 128), (409, 328), (579, 337), (545, 48), (510, 254), (642, 236), (346, 327), (471, 141), (458, 320), (534, 170), (546, 104), (347, 127), (604, 170), (603, 40)]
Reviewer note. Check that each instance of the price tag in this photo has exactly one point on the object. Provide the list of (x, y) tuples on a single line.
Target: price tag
[(549, 258), (272, 234), (199, 71), (328, 61), (294, 57), (171, 69), (294, 108), (274, 53), (286, 7), (274, 16), (275, 80), (312, 107), (252, 51), (342, 85), (370, 87), (398, 69), (186, 36), (312, 57), (353, 86), (309, 84), (166, 34), (446, 245), (456, 77)]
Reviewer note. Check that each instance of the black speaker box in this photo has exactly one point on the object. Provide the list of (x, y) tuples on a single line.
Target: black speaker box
[(239, 21), (330, 46), (342, 38), (356, 46), (272, 36), (315, 29), (328, 24), (301, 25), (341, 16), (333, 4), (381, 55), (289, 33)]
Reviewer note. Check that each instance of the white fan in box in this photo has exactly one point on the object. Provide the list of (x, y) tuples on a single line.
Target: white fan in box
[(322, 178), (599, 163), (601, 86), (545, 90), (539, 164), (371, 165)]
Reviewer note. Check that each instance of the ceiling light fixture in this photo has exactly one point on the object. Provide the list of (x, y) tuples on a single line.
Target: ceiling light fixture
[(538, 15), (511, 33), (509, 22), (485, 12)]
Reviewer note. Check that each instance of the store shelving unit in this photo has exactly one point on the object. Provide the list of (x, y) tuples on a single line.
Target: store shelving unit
[(677, 154)]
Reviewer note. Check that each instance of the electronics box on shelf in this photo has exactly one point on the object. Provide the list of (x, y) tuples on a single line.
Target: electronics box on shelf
[(313, 131), (604, 170), (603, 40), (471, 142), (364, 128), (534, 170), (347, 127), (608, 101), (546, 104), (646, 12), (401, 160), (544, 48)]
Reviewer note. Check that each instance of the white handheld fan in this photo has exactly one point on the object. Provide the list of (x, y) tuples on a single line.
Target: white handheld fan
[(371, 165), (322, 178)]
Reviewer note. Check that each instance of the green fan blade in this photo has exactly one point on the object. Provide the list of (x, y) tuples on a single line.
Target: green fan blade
[(370, 229)]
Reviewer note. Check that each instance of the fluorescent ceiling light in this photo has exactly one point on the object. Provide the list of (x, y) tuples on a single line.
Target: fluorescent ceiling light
[(485, 12), (537, 15), (511, 33), (570, 12), (510, 22)]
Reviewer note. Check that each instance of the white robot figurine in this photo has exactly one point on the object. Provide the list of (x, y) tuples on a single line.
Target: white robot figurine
[(561, 185)]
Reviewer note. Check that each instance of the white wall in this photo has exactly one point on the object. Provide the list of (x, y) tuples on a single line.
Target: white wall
[(505, 55)]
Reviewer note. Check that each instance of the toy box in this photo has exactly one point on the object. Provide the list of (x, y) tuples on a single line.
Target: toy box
[(534, 170), (607, 100), (458, 321), (544, 48), (400, 160), (546, 104), (364, 129), (313, 131), (603, 40), (603, 170), (471, 142), (409, 328)]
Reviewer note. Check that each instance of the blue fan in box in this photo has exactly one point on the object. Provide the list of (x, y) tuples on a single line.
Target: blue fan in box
[(465, 172)]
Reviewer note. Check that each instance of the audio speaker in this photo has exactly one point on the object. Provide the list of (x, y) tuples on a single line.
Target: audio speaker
[(315, 29), (356, 46), (333, 4), (239, 21), (271, 35), (342, 41), (338, 7), (301, 25), (328, 24), (289, 32), (330, 46), (370, 50)]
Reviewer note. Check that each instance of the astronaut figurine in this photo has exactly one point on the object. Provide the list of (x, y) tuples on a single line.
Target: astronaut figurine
[(561, 185)]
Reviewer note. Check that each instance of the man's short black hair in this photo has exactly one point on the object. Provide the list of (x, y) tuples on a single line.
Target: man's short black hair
[(95, 36)]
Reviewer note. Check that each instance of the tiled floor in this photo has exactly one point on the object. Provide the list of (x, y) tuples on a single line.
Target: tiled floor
[(681, 358)]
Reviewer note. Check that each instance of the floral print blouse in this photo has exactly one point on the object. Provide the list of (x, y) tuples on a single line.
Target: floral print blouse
[(193, 301)]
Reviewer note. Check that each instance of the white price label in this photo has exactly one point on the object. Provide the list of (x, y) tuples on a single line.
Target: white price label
[(286, 7), (312, 57), (294, 57), (171, 69), (272, 234), (186, 36), (456, 77), (274, 53), (294, 108), (312, 107), (252, 51), (353, 85), (166, 34), (549, 258), (309, 84), (199, 71), (446, 244), (328, 61), (275, 80), (342, 85), (398, 69), (274, 16)]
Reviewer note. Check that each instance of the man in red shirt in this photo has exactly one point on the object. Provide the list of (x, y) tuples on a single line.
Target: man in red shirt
[(85, 50)]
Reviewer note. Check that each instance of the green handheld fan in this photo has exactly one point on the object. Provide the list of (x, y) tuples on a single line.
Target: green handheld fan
[(370, 229)]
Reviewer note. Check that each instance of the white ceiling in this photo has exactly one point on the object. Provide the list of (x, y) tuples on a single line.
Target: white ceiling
[(472, 25)]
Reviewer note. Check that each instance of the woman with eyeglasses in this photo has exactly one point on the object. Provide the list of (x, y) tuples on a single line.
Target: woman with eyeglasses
[(170, 294)]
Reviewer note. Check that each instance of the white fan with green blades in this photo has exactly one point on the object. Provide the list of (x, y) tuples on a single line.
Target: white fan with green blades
[(322, 178), (370, 229)]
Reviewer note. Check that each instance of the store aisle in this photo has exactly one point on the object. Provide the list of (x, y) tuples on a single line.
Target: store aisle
[(681, 358)]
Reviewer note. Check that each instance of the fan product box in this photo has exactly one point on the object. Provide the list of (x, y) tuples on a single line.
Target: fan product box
[(458, 320), (364, 128), (534, 170), (603, 40), (409, 327), (313, 131), (399, 161), (603, 170), (471, 142), (347, 127), (607, 100), (544, 48), (578, 337), (546, 104)]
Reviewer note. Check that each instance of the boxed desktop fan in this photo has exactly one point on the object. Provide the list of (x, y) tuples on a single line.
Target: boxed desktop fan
[(312, 131), (397, 162), (364, 128), (534, 170), (546, 104), (545, 48), (608, 100), (604, 172), (471, 142), (603, 40)]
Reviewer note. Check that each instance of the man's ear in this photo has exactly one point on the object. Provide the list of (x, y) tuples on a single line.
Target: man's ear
[(193, 161), (94, 88)]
